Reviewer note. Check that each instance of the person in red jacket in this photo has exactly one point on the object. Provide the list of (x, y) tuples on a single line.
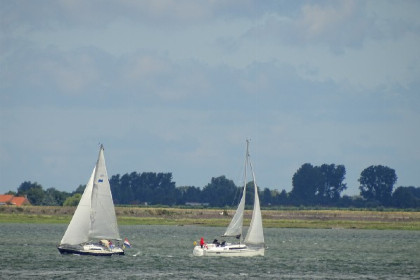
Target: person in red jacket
[(202, 242)]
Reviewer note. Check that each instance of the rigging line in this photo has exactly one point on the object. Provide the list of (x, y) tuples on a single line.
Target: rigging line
[(239, 183), (256, 79)]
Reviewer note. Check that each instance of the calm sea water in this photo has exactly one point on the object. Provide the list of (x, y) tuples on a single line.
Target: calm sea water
[(28, 251)]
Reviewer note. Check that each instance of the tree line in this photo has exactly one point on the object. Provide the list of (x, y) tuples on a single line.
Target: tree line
[(311, 186)]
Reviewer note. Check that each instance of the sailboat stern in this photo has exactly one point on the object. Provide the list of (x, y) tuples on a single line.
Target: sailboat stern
[(256, 250), (198, 251)]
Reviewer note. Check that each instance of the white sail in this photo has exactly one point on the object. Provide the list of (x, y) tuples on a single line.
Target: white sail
[(78, 230), (235, 226), (255, 235), (102, 217)]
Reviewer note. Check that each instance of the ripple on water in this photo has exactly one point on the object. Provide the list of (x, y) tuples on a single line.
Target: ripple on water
[(165, 252)]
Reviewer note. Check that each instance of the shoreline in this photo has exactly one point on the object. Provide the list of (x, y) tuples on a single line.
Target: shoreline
[(129, 215)]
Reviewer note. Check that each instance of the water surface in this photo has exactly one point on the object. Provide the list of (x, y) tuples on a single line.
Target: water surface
[(28, 251)]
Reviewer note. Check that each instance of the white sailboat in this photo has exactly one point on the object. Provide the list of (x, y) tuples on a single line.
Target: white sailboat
[(253, 244), (94, 224)]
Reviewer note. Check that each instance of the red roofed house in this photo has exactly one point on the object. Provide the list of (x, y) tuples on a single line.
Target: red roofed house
[(9, 199)]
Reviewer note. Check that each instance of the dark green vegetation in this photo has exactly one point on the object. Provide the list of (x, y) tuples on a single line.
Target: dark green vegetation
[(288, 218), (313, 186)]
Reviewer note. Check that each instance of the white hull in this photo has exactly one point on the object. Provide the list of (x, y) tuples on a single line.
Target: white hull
[(232, 250)]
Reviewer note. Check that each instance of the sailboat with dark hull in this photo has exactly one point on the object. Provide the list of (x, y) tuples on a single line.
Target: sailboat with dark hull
[(253, 244), (93, 229)]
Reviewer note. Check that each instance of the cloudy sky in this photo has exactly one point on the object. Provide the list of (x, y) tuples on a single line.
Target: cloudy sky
[(178, 85)]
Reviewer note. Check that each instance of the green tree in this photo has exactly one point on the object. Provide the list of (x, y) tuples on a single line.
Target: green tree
[(249, 197), (150, 187), (281, 198), (122, 188), (406, 197), (189, 194), (73, 200), (33, 192), (376, 184), (54, 197), (267, 197), (331, 182), (164, 190), (306, 182), (220, 192), (26, 186)]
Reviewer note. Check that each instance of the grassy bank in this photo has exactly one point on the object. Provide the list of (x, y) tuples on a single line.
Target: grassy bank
[(217, 217)]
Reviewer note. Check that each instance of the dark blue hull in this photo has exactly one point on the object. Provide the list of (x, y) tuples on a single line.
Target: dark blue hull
[(75, 251)]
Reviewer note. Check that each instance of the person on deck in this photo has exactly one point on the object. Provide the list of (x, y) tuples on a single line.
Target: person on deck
[(202, 242)]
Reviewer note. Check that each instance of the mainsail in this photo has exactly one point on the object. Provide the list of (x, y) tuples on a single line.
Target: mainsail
[(102, 216), (255, 235)]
